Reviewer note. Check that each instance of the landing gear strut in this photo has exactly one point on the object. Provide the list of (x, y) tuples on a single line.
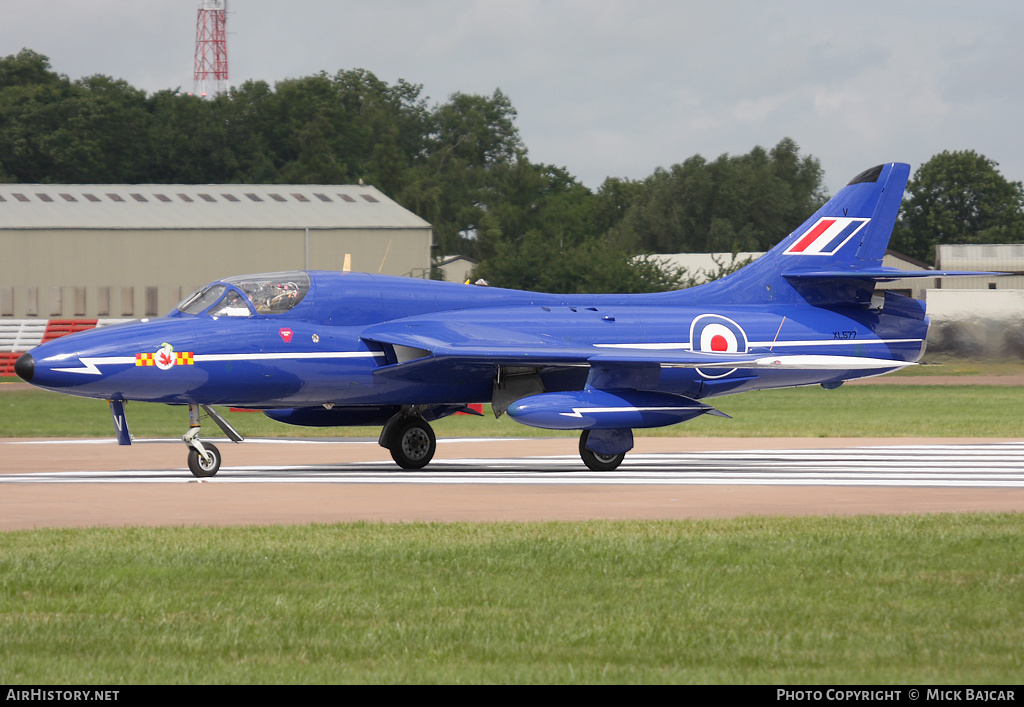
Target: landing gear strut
[(410, 440), (204, 458)]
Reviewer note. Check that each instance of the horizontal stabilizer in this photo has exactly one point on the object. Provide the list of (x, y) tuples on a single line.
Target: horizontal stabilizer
[(883, 274)]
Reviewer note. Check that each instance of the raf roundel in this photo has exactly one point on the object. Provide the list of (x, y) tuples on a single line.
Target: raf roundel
[(713, 333)]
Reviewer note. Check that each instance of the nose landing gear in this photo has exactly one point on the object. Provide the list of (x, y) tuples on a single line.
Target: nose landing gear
[(204, 458)]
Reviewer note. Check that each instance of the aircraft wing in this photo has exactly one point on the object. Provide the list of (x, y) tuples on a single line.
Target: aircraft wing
[(424, 355)]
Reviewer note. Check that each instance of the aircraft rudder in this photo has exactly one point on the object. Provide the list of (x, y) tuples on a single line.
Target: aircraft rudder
[(876, 239)]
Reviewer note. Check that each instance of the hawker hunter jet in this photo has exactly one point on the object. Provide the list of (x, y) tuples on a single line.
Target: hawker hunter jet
[(343, 348)]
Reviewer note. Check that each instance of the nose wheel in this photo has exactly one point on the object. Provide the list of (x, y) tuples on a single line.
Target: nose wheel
[(203, 457), (204, 466)]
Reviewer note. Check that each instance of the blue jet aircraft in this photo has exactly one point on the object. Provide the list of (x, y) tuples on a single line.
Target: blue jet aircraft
[(343, 348)]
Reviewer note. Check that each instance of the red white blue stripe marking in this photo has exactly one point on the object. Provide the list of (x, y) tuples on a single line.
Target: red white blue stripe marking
[(826, 236)]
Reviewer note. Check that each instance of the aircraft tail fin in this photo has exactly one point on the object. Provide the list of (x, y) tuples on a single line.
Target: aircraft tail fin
[(835, 257)]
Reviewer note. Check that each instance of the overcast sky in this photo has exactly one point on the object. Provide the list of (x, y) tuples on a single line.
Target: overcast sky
[(612, 87)]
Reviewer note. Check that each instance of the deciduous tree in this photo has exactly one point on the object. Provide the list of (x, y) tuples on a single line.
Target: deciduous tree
[(958, 197)]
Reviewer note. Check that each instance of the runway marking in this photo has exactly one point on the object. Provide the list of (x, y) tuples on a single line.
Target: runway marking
[(978, 466), (256, 440)]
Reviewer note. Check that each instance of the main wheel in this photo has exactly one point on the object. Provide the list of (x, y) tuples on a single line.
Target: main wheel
[(201, 467), (595, 461), (414, 444)]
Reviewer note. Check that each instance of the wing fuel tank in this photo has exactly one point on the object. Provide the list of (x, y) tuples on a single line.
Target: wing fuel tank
[(593, 409)]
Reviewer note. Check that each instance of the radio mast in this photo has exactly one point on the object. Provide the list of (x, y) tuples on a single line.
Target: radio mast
[(211, 73)]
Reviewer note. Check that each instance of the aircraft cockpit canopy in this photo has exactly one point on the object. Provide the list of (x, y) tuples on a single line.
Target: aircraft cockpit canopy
[(269, 293)]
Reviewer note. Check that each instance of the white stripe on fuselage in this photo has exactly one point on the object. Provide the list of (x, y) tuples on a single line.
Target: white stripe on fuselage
[(90, 365), (281, 356), (758, 344)]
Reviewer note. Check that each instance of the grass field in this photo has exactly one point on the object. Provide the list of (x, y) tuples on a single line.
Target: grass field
[(870, 600), (850, 411)]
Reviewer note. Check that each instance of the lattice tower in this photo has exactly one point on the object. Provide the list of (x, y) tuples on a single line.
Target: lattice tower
[(211, 72)]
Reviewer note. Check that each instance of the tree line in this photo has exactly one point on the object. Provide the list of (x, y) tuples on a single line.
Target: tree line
[(462, 166)]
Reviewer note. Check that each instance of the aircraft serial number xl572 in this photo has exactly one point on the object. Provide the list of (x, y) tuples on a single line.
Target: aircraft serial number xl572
[(344, 348)]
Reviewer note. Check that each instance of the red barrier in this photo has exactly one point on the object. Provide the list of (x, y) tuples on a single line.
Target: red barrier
[(7, 360), (56, 328)]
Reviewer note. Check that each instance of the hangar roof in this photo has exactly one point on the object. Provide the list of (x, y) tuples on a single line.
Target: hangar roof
[(204, 206)]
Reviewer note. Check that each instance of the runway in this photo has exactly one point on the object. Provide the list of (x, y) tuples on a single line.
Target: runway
[(64, 483), (948, 465)]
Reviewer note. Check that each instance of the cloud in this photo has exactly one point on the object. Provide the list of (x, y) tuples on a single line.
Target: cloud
[(609, 87)]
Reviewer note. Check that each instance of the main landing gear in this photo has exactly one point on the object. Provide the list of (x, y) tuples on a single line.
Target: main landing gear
[(203, 457), (412, 444), (410, 440), (596, 461)]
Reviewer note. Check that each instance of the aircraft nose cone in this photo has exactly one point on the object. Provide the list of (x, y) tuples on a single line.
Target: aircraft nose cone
[(25, 367)]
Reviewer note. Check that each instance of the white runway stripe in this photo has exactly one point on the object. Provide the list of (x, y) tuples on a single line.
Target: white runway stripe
[(983, 465)]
